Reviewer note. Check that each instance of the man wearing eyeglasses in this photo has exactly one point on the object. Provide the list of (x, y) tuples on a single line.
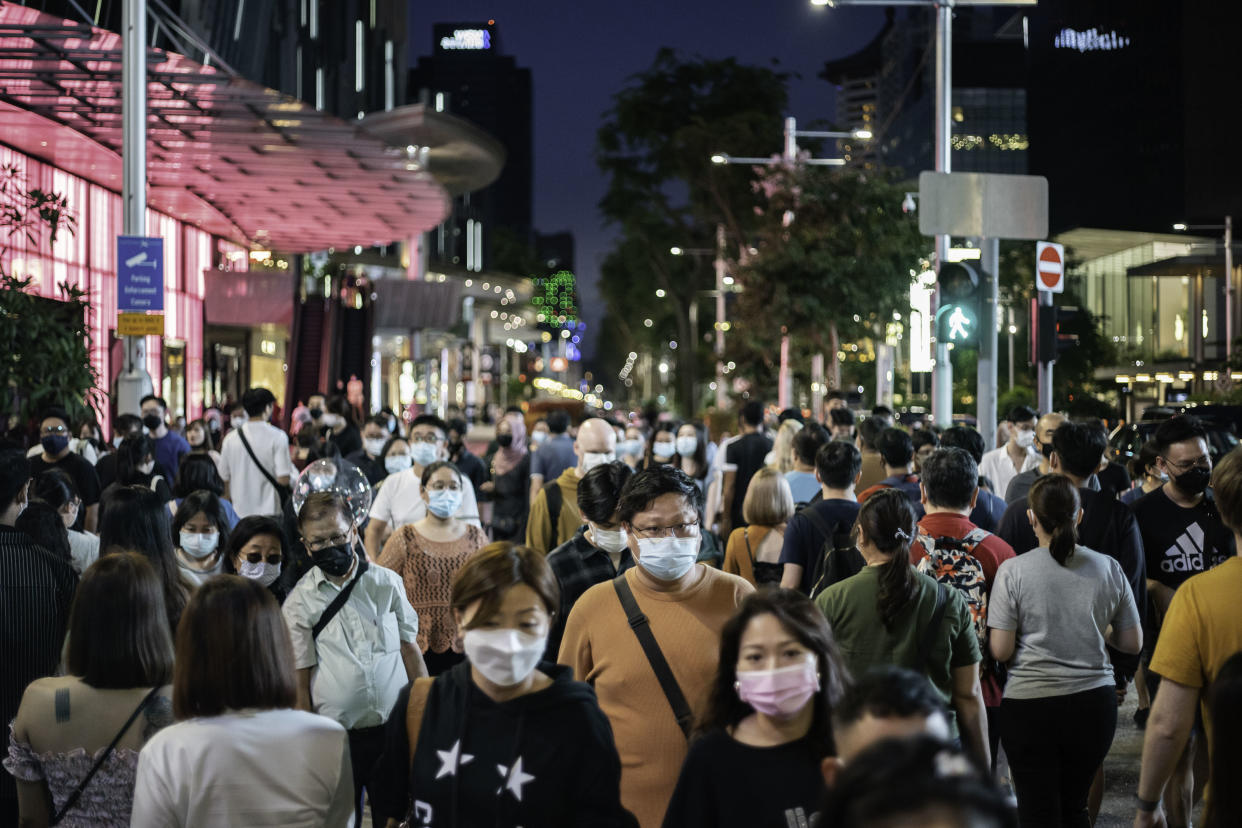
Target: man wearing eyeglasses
[(54, 437), (677, 611), (399, 501)]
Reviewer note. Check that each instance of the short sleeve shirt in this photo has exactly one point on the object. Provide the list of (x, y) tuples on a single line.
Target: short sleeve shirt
[(553, 457), (399, 502), (1181, 542), (747, 456), (249, 488), (803, 541)]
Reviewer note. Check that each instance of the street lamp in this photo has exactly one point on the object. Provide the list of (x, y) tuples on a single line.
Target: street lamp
[(721, 325), (1182, 227)]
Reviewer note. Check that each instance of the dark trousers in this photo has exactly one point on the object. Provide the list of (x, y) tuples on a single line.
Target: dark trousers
[(1055, 745), (366, 745)]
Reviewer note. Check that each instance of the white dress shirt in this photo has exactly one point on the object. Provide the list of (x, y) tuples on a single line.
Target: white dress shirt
[(358, 669), (249, 489), (998, 467), (399, 501), (281, 767)]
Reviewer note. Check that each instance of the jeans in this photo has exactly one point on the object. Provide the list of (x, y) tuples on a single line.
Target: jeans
[(366, 745), (1055, 745)]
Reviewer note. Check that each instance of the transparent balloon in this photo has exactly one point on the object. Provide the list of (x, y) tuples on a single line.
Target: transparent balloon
[(337, 475)]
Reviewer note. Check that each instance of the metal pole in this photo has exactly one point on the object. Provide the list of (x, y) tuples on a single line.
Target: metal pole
[(1011, 347), (817, 387), (1044, 380), (784, 384), (1229, 289), (942, 377), (134, 382), (721, 396), (791, 140), (986, 396)]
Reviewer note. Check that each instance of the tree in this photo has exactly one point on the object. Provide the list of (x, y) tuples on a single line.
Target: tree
[(655, 147), (834, 260), (44, 344)]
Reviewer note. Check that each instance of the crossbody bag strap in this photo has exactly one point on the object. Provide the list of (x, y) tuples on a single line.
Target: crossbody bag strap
[(271, 478), (103, 757), (651, 648), (933, 626), (339, 601), (750, 553)]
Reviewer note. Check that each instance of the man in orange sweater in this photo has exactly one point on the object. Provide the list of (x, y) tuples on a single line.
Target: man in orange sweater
[(685, 605)]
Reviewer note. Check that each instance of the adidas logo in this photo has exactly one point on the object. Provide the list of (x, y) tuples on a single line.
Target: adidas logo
[(1186, 554)]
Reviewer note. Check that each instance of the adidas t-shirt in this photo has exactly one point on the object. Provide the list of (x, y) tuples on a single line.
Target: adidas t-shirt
[(1180, 542)]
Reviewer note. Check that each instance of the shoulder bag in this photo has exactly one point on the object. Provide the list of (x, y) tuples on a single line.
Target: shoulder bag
[(339, 601), (282, 491), (651, 648)]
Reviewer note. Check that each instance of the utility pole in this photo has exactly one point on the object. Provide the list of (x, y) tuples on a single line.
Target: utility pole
[(1229, 296), (942, 373), (721, 396), (134, 382), (986, 375)]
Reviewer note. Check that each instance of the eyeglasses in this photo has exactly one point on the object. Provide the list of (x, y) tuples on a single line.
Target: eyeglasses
[(426, 438), (677, 530), (257, 558), (1202, 462), (325, 543), (48, 430)]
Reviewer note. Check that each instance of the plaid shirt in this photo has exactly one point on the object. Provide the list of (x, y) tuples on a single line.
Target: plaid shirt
[(578, 566)]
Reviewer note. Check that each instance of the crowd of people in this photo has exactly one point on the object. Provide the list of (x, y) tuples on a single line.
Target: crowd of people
[(812, 619)]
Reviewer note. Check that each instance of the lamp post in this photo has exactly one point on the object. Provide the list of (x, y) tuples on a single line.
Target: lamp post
[(721, 283), (1229, 296)]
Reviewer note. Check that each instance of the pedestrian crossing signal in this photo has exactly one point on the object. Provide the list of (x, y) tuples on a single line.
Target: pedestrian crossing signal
[(957, 318)]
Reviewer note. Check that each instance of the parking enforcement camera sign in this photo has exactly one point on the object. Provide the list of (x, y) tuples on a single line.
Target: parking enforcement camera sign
[(140, 274)]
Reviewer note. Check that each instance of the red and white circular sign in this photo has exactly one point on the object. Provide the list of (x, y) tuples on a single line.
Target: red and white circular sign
[(1050, 267)]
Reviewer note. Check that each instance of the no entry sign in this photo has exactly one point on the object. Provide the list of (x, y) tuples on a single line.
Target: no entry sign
[(1050, 267)]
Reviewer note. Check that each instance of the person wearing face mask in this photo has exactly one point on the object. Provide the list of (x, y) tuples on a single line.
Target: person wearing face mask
[(662, 617), (663, 445), (427, 554), (554, 515), (354, 637), (396, 458), (56, 488), (1045, 427), (170, 446), (1018, 454), (201, 534), (631, 449), (369, 458), (539, 433), (599, 551), (555, 452), (257, 550), (399, 502), (341, 429), (509, 486), (57, 454), (768, 719), (467, 463), (136, 466), (503, 738), (256, 465), (316, 407)]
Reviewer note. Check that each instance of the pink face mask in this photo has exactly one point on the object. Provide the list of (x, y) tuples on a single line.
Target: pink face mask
[(780, 693)]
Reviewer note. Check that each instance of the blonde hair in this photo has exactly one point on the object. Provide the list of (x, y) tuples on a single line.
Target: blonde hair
[(782, 447), (1227, 488), (769, 500)]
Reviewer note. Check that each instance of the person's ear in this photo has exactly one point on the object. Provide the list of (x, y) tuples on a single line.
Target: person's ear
[(974, 498), (858, 477), (1078, 518), (923, 494), (830, 768), (1054, 461), (1030, 516)]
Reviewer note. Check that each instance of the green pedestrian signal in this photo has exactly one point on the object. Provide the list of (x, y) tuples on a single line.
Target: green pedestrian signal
[(957, 318)]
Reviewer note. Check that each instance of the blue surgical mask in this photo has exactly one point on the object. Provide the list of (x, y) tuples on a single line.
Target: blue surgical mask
[(668, 558), (444, 502), (395, 463), (424, 454), (687, 445)]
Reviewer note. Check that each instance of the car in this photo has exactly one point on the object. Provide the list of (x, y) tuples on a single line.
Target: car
[(1128, 438)]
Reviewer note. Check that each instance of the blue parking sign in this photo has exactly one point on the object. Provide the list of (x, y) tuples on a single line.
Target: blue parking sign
[(140, 274)]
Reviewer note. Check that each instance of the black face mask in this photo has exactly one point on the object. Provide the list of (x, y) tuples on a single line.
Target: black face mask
[(335, 560), (152, 421), (1193, 481), (1046, 450), (504, 440), (316, 413)]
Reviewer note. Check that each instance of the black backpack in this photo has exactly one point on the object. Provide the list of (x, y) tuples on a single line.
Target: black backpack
[(552, 491), (839, 558)]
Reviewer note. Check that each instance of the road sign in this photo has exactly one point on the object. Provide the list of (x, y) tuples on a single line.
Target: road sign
[(983, 205), (140, 274), (140, 324), (1050, 267)]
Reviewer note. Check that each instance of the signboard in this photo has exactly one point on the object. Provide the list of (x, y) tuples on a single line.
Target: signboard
[(140, 324), (140, 274), (1050, 267), (983, 205)]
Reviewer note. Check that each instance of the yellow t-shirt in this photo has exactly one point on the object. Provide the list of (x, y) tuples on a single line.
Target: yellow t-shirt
[(1201, 630)]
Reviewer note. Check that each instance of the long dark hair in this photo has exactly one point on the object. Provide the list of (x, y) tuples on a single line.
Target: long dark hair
[(130, 456), (649, 458), (801, 619), (1054, 500), (208, 443), (700, 451), (197, 471), (1224, 808), (136, 520), (888, 521), (206, 502)]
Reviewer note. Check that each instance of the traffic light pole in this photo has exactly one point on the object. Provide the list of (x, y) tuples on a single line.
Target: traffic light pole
[(989, 294), (1044, 380), (942, 375)]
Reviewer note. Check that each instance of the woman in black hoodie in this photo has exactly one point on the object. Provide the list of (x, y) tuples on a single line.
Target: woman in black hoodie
[(501, 739)]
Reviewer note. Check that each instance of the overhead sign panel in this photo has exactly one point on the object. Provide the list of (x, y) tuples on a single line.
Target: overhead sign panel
[(983, 205), (140, 274)]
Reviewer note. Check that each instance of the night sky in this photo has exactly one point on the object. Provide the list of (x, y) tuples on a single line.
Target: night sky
[(580, 54)]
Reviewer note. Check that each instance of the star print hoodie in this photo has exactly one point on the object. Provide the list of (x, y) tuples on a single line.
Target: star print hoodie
[(542, 760)]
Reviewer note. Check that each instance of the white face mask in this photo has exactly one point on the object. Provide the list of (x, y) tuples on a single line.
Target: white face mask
[(596, 458), (199, 546), (668, 558), (263, 572), (687, 445), (505, 657), (630, 448), (238, 421), (397, 463), (539, 437), (611, 541), (1025, 439), (147, 468), (424, 454), (374, 446), (664, 450)]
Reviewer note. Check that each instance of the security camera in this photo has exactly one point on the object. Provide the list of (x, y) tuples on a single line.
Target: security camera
[(909, 205)]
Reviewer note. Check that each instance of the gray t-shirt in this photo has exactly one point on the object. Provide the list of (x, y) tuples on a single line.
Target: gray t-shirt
[(553, 457), (1060, 614)]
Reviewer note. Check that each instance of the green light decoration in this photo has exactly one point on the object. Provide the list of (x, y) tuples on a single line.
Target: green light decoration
[(557, 294)]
